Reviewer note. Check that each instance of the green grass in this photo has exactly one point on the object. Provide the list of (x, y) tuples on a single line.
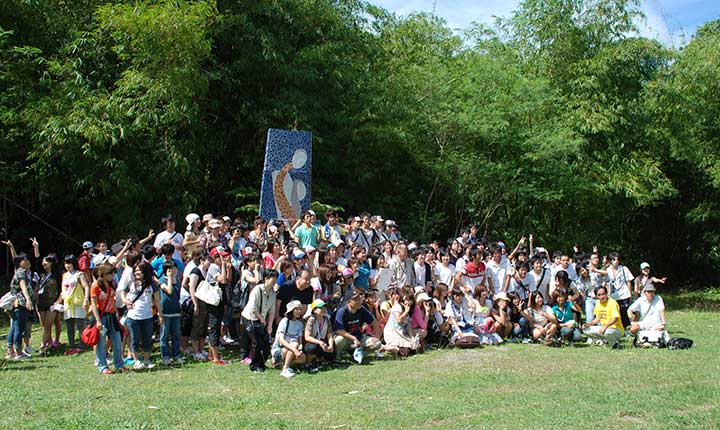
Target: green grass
[(509, 386)]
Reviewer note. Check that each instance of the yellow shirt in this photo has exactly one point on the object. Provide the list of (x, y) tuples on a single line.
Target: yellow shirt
[(605, 313)]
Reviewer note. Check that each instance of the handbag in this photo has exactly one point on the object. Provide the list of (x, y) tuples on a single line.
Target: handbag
[(208, 293), (7, 301), (90, 335)]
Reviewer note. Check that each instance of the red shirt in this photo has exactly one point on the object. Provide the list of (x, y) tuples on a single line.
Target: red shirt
[(105, 298)]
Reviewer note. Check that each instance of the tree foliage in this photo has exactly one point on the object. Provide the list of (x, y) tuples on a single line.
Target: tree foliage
[(557, 121)]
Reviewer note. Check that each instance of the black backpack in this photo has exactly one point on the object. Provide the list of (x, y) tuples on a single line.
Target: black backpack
[(679, 343), (239, 295)]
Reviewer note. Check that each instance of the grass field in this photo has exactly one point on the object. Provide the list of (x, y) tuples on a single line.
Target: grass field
[(509, 386)]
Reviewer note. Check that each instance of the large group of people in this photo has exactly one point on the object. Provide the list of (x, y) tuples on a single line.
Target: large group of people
[(302, 294)]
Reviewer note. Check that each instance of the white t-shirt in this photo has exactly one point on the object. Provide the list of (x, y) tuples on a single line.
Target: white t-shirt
[(649, 311), (142, 307), (445, 274), (497, 273), (618, 282), (540, 282), (125, 280), (522, 288), (570, 271), (164, 236), (185, 294)]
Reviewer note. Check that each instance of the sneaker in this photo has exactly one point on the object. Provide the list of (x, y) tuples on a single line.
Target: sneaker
[(358, 355), (129, 362), (379, 355), (526, 340), (429, 347), (220, 361), (287, 373), (166, 361), (138, 365), (122, 370), (600, 342), (246, 360), (616, 345), (22, 356), (73, 351), (28, 350), (149, 364), (179, 360), (199, 357), (107, 371), (56, 345), (589, 341), (228, 340), (205, 354), (257, 370), (314, 369)]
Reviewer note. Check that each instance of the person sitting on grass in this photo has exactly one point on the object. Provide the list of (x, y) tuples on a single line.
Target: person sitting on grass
[(398, 334), (460, 317), (541, 318), (348, 324), (319, 338), (520, 325), (563, 310), (647, 316), (501, 313), (288, 347), (606, 327)]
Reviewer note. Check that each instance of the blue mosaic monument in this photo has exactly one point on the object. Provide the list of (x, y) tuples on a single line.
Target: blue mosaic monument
[(285, 189)]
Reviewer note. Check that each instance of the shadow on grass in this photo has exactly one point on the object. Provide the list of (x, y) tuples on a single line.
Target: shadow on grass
[(9, 366), (692, 301)]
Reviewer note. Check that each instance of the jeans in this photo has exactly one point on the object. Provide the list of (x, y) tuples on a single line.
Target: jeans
[(570, 333), (18, 322), (170, 331), (523, 329), (589, 309), (140, 330), (74, 324), (109, 330)]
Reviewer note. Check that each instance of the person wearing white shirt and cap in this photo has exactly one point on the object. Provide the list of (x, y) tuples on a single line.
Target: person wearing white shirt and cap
[(647, 315)]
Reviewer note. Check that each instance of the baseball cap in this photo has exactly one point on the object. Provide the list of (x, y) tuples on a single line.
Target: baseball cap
[(644, 265), (649, 287), (318, 303), (88, 245)]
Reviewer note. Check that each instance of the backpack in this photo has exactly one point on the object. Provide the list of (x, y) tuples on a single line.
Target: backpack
[(679, 343), (239, 295)]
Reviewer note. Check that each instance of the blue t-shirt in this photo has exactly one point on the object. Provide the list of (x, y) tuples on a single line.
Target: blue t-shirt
[(363, 278), (170, 303), (352, 322), (157, 265)]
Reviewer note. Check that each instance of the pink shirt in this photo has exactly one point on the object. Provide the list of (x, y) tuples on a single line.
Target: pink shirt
[(418, 318)]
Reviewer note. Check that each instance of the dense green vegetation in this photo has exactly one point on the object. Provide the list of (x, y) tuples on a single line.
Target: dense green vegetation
[(557, 121)]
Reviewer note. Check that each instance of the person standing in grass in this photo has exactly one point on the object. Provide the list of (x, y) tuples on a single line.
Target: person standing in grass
[(260, 313), (606, 327), (76, 297), (139, 299), (102, 305), (22, 306), (169, 314)]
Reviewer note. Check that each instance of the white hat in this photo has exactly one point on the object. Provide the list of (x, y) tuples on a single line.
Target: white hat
[(501, 296), (422, 297), (214, 223), (291, 306), (644, 265), (190, 219)]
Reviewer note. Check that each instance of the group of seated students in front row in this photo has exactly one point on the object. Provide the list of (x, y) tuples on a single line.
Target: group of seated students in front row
[(310, 293)]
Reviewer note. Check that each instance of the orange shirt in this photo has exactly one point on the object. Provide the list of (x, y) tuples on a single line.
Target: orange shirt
[(105, 298)]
